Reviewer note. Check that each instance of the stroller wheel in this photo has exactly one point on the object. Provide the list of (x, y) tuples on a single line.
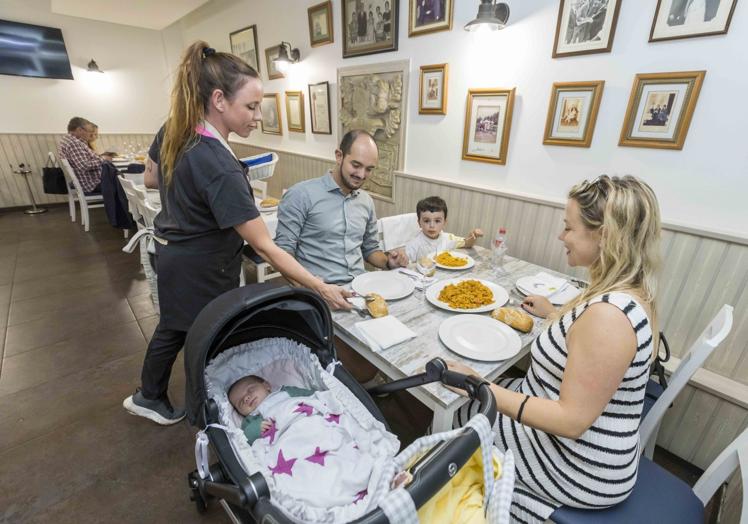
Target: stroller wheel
[(200, 503)]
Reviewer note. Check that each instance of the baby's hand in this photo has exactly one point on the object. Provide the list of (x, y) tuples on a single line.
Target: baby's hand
[(265, 425)]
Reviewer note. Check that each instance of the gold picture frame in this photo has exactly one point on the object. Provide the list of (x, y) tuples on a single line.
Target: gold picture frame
[(243, 44), (425, 18), (321, 30), (295, 111), (433, 89), (271, 114), (582, 31), (673, 20), (271, 53), (572, 113), (660, 109), (488, 122)]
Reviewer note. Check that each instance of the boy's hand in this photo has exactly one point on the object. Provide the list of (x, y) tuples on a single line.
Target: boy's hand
[(397, 258), (475, 234)]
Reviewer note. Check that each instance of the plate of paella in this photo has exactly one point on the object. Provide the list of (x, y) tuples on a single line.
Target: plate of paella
[(453, 260), (467, 295)]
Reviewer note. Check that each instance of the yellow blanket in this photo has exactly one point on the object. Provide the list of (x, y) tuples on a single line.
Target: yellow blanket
[(461, 500)]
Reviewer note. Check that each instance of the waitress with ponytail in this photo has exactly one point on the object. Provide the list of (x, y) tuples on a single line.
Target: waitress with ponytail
[(207, 212)]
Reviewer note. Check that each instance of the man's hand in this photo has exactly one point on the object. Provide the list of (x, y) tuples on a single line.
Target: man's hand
[(397, 258)]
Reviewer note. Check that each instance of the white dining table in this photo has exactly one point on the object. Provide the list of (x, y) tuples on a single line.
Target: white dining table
[(409, 358)]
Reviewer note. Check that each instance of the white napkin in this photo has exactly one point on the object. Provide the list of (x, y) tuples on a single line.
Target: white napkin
[(419, 280), (382, 333), (547, 285)]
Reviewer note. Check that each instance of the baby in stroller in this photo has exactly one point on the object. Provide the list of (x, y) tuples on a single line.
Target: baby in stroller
[(313, 449)]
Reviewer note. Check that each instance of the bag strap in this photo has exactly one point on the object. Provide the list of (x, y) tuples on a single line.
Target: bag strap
[(51, 160), (657, 367)]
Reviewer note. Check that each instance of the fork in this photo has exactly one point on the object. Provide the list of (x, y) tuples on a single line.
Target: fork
[(367, 298)]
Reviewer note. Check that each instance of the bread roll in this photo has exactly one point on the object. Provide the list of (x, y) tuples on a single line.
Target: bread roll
[(514, 318), (269, 202), (377, 307)]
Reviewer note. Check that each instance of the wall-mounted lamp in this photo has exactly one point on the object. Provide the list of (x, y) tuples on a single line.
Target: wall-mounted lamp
[(492, 16), (286, 56), (93, 67)]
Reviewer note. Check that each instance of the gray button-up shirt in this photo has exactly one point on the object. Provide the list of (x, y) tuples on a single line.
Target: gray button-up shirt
[(328, 232)]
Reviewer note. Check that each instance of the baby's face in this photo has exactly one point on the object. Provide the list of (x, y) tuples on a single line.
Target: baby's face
[(247, 394), (432, 223)]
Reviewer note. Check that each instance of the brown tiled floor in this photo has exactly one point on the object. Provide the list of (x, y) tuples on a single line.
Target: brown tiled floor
[(75, 315)]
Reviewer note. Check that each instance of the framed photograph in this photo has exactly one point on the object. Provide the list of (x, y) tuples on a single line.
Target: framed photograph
[(572, 113), (319, 108), (374, 97), (432, 93), (244, 45), (488, 122), (320, 24), (369, 26), (429, 16), (271, 53), (295, 111), (271, 119), (660, 109), (675, 19), (585, 26)]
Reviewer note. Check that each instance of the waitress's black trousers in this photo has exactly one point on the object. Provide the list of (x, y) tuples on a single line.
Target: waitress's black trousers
[(159, 359)]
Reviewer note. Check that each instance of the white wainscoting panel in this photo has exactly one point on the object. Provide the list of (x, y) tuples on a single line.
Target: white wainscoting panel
[(32, 149)]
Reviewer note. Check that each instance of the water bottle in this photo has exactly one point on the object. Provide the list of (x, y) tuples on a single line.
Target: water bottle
[(498, 250)]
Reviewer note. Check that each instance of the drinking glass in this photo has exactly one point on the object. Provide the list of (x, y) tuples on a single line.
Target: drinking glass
[(425, 261)]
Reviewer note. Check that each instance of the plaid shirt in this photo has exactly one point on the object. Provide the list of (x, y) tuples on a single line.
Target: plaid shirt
[(85, 163)]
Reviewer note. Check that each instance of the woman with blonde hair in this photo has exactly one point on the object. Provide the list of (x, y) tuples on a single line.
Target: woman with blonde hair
[(572, 422), (207, 212)]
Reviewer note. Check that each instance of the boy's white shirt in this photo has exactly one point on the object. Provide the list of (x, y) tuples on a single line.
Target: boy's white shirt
[(445, 241)]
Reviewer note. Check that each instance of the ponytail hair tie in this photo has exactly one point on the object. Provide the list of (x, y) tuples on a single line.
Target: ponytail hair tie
[(208, 51)]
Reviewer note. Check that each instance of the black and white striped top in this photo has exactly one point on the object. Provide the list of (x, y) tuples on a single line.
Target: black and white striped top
[(599, 468)]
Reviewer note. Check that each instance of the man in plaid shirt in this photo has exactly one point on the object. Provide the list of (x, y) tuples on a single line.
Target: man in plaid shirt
[(85, 163)]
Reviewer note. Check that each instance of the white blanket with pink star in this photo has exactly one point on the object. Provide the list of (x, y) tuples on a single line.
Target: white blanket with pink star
[(316, 452)]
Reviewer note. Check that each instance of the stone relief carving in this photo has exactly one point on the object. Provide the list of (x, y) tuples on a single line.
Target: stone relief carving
[(374, 98)]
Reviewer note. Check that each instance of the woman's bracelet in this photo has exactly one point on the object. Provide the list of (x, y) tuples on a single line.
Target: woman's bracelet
[(522, 408)]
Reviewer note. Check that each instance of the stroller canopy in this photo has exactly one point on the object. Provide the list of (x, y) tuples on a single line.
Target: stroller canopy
[(251, 313)]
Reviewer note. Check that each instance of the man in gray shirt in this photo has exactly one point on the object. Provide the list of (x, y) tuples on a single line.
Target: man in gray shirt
[(329, 224)]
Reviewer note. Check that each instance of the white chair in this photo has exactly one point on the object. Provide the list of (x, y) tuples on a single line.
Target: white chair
[(397, 230), (713, 335), (52, 160), (128, 186), (76, 193), (259, 188)]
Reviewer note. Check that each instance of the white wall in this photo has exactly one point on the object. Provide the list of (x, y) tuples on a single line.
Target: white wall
[(704, 185), (130, 97)]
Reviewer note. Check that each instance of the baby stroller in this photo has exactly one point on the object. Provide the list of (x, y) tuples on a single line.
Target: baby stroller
[(257, 312)]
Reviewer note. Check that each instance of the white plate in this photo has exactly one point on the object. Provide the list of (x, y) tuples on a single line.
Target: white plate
[(479, 337), (525, 286), (392, 285), (470, 261), (271, 209), (500, 296)]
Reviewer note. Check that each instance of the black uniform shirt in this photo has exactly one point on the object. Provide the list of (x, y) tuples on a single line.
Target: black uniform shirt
[(209, 193)]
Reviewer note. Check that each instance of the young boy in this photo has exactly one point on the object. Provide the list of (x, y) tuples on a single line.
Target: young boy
[(432, 217)]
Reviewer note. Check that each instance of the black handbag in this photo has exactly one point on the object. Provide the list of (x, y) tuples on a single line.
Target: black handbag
[(53, 179)]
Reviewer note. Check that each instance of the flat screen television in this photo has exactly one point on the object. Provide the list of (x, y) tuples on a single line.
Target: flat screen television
[(33, 50)]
